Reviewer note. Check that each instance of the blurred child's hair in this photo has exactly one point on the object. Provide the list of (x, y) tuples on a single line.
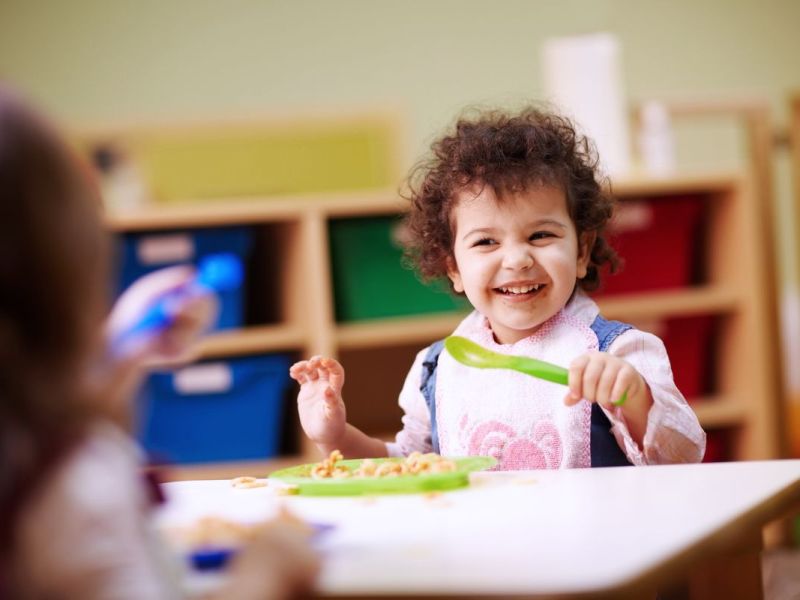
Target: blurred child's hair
[(510, 153), (53, 282)]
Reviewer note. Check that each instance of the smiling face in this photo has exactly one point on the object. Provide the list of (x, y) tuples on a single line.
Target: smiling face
[(516, 259)]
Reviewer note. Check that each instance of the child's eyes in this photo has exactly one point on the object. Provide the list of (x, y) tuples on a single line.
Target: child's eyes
[(538, 235)]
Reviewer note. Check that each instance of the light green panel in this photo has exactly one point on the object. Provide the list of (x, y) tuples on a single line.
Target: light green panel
[(94, 60), (179, 167)]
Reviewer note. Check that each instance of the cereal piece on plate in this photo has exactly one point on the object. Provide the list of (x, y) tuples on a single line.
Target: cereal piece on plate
[(443, 466), (340, 473), (366, 468)]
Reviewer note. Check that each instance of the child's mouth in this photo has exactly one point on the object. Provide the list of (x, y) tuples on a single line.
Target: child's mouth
[(521, 291)]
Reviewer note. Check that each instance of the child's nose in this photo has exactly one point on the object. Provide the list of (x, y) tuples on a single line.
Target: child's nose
[(518, 257)]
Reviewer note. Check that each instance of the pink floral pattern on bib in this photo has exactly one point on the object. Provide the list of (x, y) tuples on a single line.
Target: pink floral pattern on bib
[(542, 449)]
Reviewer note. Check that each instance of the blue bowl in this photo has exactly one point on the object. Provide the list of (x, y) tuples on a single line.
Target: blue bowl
[(214, 559)]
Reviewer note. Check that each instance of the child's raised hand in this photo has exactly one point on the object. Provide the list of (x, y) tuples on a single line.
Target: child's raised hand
[(320, 404), (602, 378)]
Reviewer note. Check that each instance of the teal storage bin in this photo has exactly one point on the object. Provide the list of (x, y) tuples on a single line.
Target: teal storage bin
[(369, 279), (222, 410)]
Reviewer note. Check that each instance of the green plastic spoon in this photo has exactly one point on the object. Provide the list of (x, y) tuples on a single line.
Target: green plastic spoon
[(471, 354)]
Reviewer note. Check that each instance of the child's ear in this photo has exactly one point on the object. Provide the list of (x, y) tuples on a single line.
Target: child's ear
[(585, 252), (454, 275)]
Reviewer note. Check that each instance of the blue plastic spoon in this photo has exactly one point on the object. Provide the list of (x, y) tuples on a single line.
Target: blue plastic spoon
[(471, 354)]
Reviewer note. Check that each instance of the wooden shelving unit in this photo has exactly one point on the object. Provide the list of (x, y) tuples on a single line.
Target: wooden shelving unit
[(378, 353)]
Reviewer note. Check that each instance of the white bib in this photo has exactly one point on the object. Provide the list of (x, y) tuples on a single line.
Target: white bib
[(520, 420)]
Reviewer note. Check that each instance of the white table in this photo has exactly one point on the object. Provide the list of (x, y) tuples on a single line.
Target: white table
[(615, 532)]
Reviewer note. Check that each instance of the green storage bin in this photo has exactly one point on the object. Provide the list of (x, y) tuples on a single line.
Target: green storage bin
[(369, 279)]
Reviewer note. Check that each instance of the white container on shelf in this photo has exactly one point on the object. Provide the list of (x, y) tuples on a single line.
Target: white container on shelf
[(656, 140), (583, 78), (122, 183)]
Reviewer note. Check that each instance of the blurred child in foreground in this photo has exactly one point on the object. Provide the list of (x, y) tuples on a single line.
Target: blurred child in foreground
[(73, 503)]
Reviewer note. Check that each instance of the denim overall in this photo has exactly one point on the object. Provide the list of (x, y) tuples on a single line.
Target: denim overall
[(604, 448)]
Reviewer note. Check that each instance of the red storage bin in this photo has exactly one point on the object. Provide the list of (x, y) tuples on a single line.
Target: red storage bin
[(657, 241), (689, 344), (717, 446)]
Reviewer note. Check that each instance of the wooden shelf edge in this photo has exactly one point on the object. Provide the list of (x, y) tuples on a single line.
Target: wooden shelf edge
[(240, 210), (229, 470), (669, 303), (714, 412), (252, 340), (679, 183), (202, 212), (396, 330)]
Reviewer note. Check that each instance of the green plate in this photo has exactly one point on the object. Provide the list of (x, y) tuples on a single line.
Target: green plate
[(402, 484)]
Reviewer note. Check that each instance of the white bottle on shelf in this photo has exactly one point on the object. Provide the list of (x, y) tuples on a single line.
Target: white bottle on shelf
[(123, 186), (656, 141)]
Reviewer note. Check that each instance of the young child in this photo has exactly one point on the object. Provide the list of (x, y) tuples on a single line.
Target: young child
[(73, 504), (510, 208)]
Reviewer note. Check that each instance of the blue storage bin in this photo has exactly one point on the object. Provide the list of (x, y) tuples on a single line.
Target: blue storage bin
[(215, 410), (142, 253)]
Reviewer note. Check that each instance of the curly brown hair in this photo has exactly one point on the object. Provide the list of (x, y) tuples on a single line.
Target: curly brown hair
[(509, 153)]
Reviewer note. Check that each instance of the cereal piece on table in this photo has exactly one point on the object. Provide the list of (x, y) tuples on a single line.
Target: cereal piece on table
[(284, 489), (246, 482)]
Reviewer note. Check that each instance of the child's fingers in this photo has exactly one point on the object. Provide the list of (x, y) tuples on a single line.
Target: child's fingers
[(575, 379), (627, 381), (333, 404), (591, 376), (175, 343), (605, 385), (335, 373), (620, 387), (299, 371), (299, 376), (318, 368), (300, 364), (196, 314)]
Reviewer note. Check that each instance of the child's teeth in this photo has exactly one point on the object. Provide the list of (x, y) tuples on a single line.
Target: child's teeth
[(520, 290)]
